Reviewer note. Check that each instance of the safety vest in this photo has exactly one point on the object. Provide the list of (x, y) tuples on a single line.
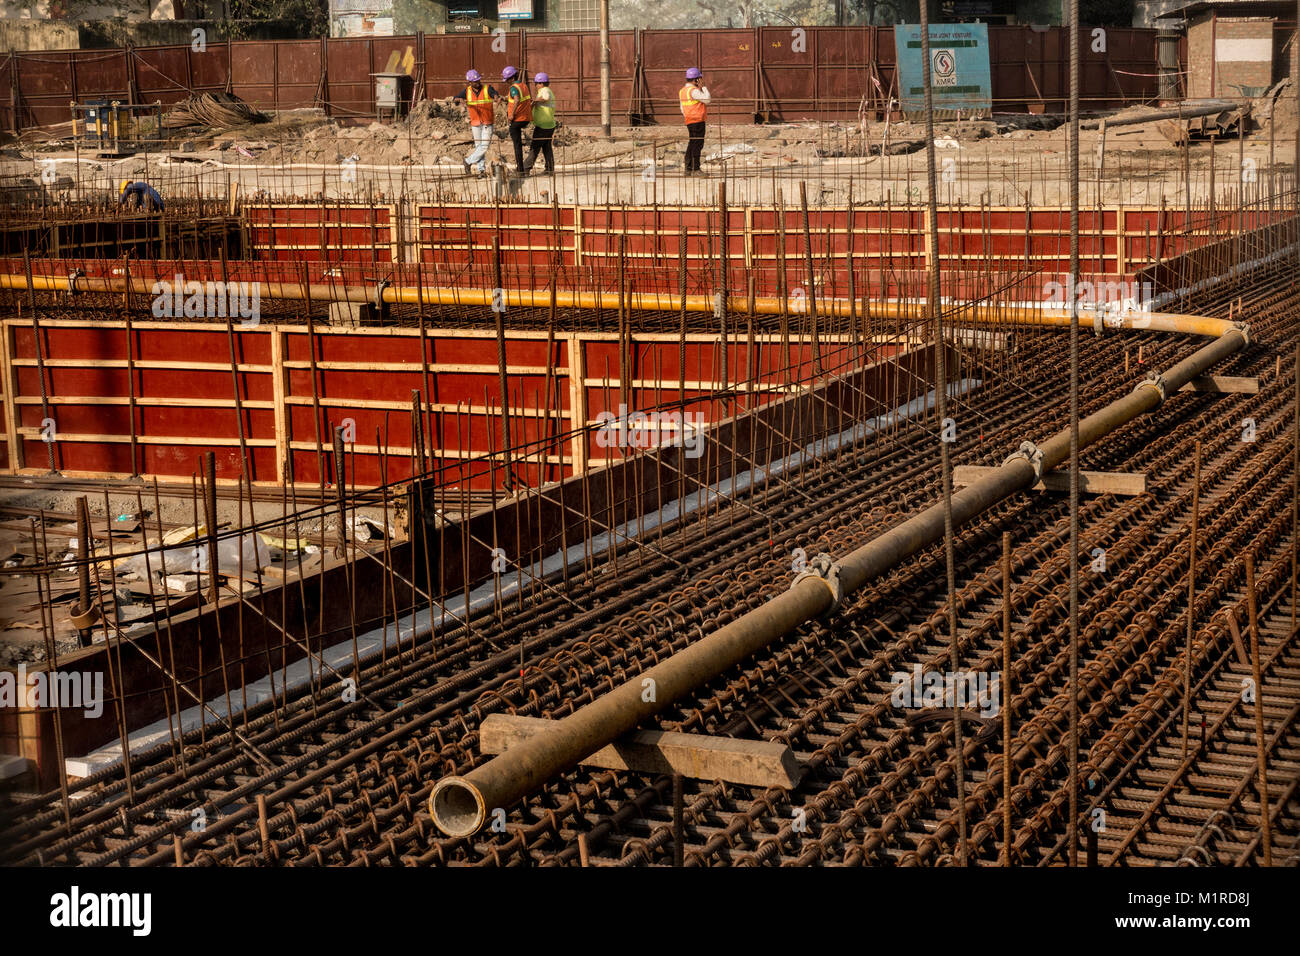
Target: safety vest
[(521, 104), (480, 105), (692, 109), (544, 113)]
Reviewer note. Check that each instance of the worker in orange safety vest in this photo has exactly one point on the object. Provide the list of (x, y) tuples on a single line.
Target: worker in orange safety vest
[(480, 98), (694, 97), (519, 108)]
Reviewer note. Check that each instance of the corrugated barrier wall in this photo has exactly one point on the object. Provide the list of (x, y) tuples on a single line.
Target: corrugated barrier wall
[(759, 73)]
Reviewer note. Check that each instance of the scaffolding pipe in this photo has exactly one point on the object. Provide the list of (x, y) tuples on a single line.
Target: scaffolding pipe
[(460, 804), (955, 313)]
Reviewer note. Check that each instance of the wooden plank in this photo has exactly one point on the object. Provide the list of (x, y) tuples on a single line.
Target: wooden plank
[(416, 367), (577, 372), (278, 377), (1090, 482), (144, 402), (139, 363), (10, 411), (750, 763), (1223, 384), (32, 433)]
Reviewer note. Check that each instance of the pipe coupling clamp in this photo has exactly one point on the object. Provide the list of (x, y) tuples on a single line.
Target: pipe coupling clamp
[(824, 569), (719, 305), (380, 286), (1030, 453), (1153, 380), (1244, 329), (73, 276)]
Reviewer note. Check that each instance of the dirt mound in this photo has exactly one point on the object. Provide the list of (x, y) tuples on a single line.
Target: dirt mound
[(433, 132)]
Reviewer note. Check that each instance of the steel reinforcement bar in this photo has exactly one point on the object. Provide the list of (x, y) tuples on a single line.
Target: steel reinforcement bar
[(460, 804)]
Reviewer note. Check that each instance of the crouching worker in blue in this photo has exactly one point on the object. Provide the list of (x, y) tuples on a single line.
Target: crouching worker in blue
[(139, 195)]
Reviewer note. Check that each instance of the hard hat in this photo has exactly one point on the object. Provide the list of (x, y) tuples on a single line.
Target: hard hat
[(541, 78), (509, 73), (472, 76), (694, 73), (125, 183)]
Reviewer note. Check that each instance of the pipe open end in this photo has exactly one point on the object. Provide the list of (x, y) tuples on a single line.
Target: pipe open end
[(457, 807)]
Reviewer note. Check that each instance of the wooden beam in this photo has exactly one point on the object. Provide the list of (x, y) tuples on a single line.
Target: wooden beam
[(577, 374), (9, 388), (750, 763), (279, 379), (1090, 482), (1223, 384)]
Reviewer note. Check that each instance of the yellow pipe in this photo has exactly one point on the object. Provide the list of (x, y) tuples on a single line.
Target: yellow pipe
[(978, 313)]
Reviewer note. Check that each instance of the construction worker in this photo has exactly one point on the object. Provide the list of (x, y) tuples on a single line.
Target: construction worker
[(481, 99), (694, 97), (139, 195), (519, 110), (544, 125)]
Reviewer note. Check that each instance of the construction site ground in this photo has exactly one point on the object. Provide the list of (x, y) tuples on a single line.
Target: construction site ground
[(1009, 159)]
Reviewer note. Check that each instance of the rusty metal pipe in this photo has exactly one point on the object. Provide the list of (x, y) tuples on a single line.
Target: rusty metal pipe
[(460, 805)]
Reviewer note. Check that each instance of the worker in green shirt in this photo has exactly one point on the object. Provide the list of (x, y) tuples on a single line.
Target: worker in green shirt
[(544, 125)]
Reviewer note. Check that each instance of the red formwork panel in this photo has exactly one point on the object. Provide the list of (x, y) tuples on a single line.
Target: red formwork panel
[(463, 373), (176, 408), (334, 232)]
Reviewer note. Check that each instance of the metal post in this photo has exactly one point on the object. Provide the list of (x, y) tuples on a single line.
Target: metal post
[(83, 569), (1261, 743), (933, 299), (1191, 602), (604, 68), (210, 516), (1006, 694), (679, 847), (1073, 822)]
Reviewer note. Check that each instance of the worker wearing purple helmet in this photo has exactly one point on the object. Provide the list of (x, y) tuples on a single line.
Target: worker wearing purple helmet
[(544, 125), (480, 98), (519, 109), (694, 101)]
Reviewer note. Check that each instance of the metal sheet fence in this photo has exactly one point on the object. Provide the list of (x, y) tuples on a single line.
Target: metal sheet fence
[(755, 74)]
